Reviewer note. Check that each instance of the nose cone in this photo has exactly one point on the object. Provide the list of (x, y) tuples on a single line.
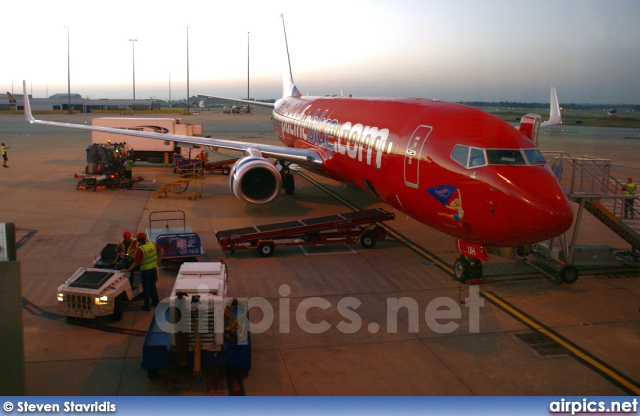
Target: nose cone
[(539, 208)]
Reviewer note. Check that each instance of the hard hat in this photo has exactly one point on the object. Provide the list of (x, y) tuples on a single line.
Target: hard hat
[(126, 235), (141, 237)]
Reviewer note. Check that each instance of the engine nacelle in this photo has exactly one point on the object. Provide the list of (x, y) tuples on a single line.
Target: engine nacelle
[(255, 180)]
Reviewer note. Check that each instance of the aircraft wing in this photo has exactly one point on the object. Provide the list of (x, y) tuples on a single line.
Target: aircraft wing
[(250, 102), (303, 157)]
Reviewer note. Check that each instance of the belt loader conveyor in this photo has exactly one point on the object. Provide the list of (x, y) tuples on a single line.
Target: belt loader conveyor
[(342, 228)]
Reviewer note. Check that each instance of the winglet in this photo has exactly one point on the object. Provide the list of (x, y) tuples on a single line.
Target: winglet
[(289, 89), (554, 111), (27, 105)]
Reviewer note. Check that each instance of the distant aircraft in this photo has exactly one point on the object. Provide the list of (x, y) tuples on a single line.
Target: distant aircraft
[(455, 168)]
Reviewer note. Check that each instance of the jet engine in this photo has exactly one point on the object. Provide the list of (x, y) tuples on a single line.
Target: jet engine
[(255, 180)]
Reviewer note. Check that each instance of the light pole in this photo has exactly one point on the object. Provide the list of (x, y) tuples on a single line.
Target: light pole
[(188, 110), (248, 96), (68, 73), (133, 53)]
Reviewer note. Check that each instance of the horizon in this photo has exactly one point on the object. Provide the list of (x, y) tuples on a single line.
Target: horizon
[(195, 99)]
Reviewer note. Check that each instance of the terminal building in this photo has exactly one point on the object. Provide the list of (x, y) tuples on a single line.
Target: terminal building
[(61, 102)]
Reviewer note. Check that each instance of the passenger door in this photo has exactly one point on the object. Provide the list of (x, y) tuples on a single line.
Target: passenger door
[(413, 154)]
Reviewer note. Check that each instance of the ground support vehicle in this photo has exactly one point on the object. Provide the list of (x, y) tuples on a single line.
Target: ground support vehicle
[(199, 325), (168, 229), (343, 228), (155, 151), (97, 291), (223, 166), (105, 167)]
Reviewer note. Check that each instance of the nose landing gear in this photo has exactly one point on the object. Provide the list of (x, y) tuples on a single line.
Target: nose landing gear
[(465, 268), (469, 264)]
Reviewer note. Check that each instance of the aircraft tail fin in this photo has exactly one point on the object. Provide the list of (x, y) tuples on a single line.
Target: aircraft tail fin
[(27, 104), (554, 111), (289, 88)]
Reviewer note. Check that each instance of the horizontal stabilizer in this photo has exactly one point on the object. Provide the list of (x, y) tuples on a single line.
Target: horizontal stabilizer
[(239, 100)]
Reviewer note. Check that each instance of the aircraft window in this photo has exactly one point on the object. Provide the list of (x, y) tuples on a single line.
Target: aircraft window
[(534, 157), (461, 154), (505, 157), (477, 158)]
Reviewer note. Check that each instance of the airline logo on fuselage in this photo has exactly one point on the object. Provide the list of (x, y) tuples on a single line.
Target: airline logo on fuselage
[(359, 142), (154, 129)]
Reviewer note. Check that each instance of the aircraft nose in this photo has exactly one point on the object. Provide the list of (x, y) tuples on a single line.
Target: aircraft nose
[(542, 210)]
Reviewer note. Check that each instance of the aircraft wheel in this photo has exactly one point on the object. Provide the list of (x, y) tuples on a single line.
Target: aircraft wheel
[(266, 249), (461, 269), (569, 274), (475, 269), (288, 184), (368, 240)]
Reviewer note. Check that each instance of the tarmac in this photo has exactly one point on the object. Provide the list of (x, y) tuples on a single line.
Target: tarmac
[(517, 333)]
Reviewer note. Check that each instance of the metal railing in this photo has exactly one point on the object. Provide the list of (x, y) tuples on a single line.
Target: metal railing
[(588, 177)]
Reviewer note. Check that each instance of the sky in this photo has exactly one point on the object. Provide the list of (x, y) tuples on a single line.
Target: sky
[(454, 50)]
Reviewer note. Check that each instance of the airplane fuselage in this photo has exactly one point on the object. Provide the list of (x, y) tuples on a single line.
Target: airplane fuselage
[(455, 168)]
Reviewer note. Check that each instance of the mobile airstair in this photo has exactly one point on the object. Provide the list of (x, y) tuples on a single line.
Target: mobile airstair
[(588, 182)]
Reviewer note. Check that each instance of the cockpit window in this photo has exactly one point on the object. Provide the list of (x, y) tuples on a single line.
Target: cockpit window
[(469, 157), (477, 158), (472, 157), (505, 157), (461, 154), (534, 157)]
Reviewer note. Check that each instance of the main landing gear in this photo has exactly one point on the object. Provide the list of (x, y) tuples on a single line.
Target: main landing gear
[(469, 264), (288, 184)]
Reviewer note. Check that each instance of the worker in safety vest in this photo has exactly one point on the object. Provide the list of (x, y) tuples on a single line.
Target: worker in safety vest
[(629, 188), (148, 257), (128, 171), (128, 246), (5, 158)]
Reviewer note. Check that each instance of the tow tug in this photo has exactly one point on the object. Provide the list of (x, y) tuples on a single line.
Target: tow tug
[(101, 290)]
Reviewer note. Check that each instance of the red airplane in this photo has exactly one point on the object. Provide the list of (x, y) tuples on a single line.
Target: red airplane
[(455, 168)]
